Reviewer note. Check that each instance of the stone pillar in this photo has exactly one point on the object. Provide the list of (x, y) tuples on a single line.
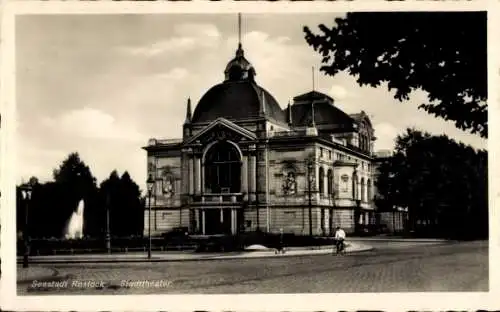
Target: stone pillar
[(197, 175), (233, 221), (252, 174), (244, 174), (191, 176), (319, 221), (203, 221), (317, 178), (261, 175)]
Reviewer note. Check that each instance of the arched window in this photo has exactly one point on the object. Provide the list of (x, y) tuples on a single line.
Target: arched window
[(223, 168), (363, 186), (330, 182), (321, 181)]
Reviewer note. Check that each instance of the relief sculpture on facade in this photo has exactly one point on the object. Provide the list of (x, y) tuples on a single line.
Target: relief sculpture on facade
[(168, 180), (290, 184)]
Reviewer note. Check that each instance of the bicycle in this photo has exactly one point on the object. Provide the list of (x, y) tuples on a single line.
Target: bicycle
[(340, 247)]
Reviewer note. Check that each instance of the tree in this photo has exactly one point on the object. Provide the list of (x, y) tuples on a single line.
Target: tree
[(75, 182), (123, 196), (442, 53), (74, 173), (441, 182)]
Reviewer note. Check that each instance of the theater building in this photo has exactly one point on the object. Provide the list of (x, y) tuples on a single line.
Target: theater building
[(246, 163)]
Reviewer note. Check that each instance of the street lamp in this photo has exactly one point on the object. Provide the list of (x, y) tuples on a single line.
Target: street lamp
[(26, 190), (108, 234), (357, 215), (309, 185), (150, 184)]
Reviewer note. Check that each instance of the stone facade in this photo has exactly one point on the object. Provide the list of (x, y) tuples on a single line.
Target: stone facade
[(304, 169)]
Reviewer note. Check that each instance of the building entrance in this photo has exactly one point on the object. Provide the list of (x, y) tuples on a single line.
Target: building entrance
[(219, 221)]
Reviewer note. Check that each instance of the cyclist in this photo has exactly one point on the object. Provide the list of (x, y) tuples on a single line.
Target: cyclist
[(339, 239)]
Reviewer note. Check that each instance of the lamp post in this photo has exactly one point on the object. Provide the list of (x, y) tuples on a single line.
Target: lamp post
[(26, 190), (108, 234), (150, 184), (309, 186), (357, 215)]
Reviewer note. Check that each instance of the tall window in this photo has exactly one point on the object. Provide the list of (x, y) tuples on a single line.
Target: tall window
[(369, 186), (321, 181), (330, 182), (355, 186), (363, 198), (223, 169)]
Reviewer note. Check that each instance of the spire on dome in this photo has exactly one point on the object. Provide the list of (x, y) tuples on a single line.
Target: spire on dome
[(188, 111), (289, 113), (239, 68)]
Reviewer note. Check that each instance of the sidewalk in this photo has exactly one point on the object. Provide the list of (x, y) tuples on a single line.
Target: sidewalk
[(34, 273), (396, 239), (190, 256)]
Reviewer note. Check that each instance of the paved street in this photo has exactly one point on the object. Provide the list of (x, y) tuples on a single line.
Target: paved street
[(389, 267)]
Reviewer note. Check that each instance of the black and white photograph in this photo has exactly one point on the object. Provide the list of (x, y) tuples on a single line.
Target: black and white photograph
[(250, 153)]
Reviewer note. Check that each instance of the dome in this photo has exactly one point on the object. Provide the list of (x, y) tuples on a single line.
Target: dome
[(237, 100), (239, 68), (325, 112)]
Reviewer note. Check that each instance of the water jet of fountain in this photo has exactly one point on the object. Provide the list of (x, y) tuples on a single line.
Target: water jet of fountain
[(74, 229)]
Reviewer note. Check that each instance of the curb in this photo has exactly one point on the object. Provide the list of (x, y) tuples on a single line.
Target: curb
[(406, 240), (207, 258)]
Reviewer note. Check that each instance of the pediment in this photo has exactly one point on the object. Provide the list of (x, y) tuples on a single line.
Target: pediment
[(222, 129)]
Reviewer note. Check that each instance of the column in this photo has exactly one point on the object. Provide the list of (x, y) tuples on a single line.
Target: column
[(252, 173), (197, 174), (244, 174), (317, 178), (197, 220), (191, 176), (233, 221), (203, 221)]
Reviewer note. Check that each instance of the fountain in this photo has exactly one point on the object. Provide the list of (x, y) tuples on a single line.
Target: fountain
[(74, 229)]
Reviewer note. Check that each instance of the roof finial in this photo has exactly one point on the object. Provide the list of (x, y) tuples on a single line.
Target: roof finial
[(313, 123), (239, 52), (239, 30), (313, 79), (188, 111)]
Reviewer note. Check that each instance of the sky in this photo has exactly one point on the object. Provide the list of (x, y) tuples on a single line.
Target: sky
[(102, 85)]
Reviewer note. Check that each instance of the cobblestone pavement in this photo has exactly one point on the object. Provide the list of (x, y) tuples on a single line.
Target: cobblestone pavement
[(437, 267)]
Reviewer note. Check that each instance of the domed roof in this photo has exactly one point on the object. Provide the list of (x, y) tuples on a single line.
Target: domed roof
[(325, 112), (238, 99), (239, 67)]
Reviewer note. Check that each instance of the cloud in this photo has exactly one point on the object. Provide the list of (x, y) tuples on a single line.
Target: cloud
[(338, 92), (386, 134), (197, 30), (175, 74), (190, 36), (91, 123), (177, 44)]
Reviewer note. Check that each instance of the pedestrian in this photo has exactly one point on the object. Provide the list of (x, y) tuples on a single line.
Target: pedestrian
[(280, 248), (339, 239)]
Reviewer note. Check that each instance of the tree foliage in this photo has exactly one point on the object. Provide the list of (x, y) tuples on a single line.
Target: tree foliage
[(123, 197), (442, 53), (54, 202), (441, 182)]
